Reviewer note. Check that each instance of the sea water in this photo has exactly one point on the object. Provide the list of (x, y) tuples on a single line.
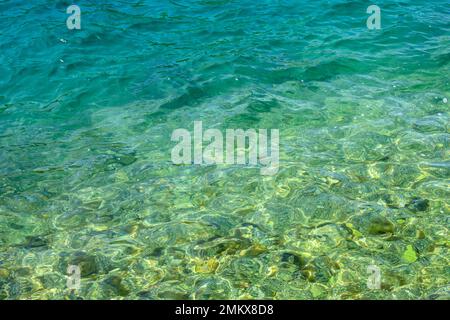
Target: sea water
[(86, 177)]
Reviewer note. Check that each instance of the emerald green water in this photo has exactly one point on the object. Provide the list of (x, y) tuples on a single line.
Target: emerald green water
[(86, 177)]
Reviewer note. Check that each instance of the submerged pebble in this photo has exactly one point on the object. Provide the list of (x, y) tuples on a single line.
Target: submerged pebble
[(126, 159), (418, 204), (115, 283), (87, 263), (380, 225), (293, 258), (4, 273), (35, 242)]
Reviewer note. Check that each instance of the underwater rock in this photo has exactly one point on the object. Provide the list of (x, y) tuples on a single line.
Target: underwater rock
[(272, 270), (320, 269), (248, 230), (409, 255), (318, 290), (271, 287), (440, 294), (115, 284), (245, 269), (354, 233), (254, 250), (173, 294), (22, 271), (125, 159), (15, 226), (92, 204), (121, 176), (35, 242), (4, 273), (217, 246), (157, 252), (212, 288), (289, 266), (380, 225), (418, 204), (329, 235), (133, 230), (146, 295), (391, 280), (430, 124), (206, 266), (420, 234), (409, 229), (293, 258), (391, 201), (154, 275), (372, 222), (221, 224), (86, 262)]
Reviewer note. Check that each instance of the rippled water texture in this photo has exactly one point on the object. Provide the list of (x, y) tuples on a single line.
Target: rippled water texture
[(86, 176)]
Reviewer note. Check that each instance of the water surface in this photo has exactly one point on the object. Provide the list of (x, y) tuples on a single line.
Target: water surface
[(85, 171)]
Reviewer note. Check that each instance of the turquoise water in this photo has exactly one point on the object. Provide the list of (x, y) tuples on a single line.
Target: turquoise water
[(86, 176)]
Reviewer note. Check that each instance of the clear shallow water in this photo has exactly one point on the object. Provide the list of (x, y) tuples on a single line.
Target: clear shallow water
[(86, 176)]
